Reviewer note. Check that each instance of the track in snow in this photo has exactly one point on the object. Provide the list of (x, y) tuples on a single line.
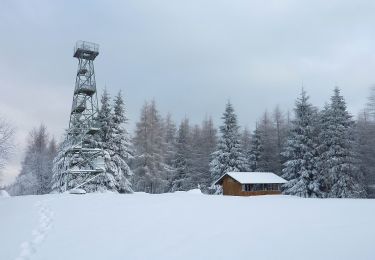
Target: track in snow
[(28, 248)]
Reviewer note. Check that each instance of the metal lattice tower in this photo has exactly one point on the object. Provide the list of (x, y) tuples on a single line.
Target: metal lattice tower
[(83, 160)]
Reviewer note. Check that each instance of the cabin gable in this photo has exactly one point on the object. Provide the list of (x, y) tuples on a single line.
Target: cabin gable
[(231, 186)]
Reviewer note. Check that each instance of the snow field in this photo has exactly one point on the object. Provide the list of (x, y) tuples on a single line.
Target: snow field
[(184, 225)]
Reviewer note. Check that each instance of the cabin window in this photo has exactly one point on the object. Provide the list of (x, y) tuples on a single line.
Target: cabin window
[(260, 187), (247, 187)]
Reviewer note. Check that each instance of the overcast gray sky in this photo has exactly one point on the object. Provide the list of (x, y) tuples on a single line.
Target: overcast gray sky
[(191, 56)]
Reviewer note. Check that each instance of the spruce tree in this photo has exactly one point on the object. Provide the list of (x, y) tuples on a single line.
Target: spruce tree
[(183, 163), (105, 120), (106, 181), (301, 170), (228, 157), (339, 164), (119, 147), (323, 146)]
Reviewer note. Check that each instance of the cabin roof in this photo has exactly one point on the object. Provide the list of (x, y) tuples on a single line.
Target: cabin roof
[(253, 177)]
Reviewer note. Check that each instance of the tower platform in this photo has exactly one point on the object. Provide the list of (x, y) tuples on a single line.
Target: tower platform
[(86, 50)]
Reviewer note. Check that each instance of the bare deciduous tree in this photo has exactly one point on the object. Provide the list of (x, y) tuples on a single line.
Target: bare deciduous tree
[(6, 143)]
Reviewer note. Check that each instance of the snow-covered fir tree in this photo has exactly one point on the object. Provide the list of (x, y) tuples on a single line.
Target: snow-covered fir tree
[(228, 157), (323, 145), (183, 163), (114, 140), (301, 170), (339, 166), (119, 147), (36, 169), (107, 180), (149, 166)]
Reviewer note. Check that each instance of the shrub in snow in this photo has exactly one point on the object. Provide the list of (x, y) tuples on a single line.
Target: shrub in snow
[(4, 194), (77, 191)]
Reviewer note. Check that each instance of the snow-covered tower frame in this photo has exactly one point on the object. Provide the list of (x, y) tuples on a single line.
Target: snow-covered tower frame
[(85, 101), (83, 160)]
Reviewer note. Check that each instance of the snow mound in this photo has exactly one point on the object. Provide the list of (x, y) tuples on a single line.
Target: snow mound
[(4, 194), (77, 191), (195, 191)]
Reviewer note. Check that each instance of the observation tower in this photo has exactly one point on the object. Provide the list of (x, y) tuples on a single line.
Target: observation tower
[(82, 160)]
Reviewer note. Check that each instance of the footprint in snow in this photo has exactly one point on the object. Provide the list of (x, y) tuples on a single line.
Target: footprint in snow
[(28, 248)]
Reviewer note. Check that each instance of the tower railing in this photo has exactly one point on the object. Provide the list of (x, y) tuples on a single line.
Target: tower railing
[(87, 46)]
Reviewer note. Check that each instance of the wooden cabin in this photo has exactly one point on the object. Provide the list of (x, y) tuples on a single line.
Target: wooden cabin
[(250, 183)]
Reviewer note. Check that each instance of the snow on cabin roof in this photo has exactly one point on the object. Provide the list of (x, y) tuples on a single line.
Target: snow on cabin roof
[(253, 177)]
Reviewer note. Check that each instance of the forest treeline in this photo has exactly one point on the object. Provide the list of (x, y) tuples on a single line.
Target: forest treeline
[(321, 152)]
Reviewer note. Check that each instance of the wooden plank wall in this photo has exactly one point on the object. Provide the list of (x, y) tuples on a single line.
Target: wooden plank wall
[(234, 188)]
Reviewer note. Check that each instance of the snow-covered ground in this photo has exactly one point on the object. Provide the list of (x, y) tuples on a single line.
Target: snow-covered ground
[(184, 225)]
